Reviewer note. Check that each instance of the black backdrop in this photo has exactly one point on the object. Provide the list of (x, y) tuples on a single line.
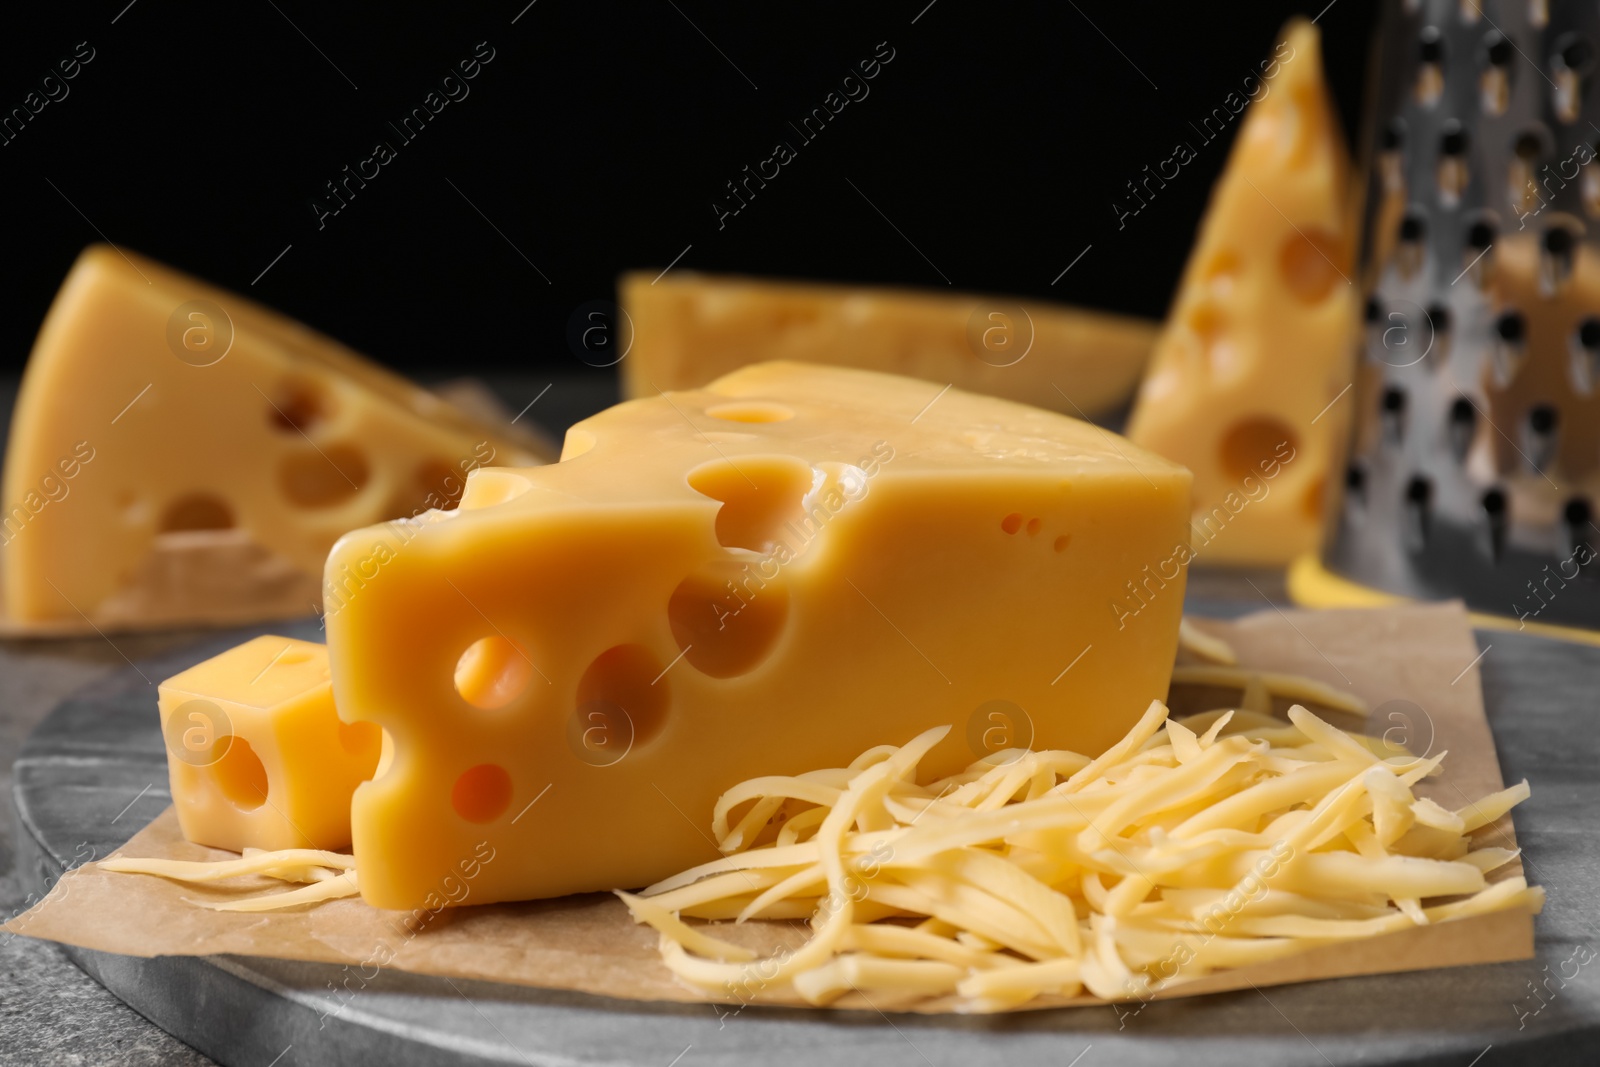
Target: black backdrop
[(985, 154)]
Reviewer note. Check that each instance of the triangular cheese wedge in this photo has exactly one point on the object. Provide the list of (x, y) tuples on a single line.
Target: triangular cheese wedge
[(688, 329), (1246, 384), (759, 577), (179, 454)]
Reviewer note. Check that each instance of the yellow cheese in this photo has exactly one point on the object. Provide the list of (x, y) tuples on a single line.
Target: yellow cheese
[(767, 575), (179, 454), (687, 329), (256, 754), (1245, 384)]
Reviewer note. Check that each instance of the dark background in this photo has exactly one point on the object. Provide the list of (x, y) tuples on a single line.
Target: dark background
[(596, 141)]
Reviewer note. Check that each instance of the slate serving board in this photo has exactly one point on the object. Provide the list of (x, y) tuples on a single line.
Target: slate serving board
[(94, 772)]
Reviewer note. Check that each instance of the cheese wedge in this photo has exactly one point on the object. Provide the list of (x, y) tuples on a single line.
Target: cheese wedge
[(688, 329), (179, 454), (256, 754), (1245, 384), (768, 575)]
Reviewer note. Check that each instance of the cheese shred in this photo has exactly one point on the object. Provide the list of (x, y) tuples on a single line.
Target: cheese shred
[(1225, 840), (328, 875)]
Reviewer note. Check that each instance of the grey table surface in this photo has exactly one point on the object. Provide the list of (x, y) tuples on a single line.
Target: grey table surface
[(1541, 696)]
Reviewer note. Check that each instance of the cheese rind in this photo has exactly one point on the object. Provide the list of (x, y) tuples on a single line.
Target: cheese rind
[(1245, 382), (256, 755), (168, 433), (687, 329), (786, 567)]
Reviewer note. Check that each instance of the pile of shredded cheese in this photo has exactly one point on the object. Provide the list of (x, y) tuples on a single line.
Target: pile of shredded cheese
[(1228, 839)]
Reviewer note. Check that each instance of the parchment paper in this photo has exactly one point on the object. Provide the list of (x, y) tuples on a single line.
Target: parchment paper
[(1415, 665)]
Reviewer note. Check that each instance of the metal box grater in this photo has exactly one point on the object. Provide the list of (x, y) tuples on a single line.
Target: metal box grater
[(1475, 452)]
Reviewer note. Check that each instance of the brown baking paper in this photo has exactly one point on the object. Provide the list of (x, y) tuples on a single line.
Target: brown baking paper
[(1416, 666)]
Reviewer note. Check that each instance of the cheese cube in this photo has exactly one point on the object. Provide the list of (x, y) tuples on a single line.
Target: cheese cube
[(687, 329), (256, 754), (180, 454), (1247, 386), (762, 577)]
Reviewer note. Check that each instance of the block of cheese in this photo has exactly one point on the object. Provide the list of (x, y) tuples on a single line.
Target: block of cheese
[(688, 329), (770, 574), (1261, 337), (179, 454), (256, 754)]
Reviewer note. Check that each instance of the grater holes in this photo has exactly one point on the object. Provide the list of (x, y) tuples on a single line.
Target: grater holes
[(1462, 426), (1392, 407), (1578, 516), (1451, 174), (1497, 48), (1413, 232), (1558, 247), (1573, 53), (1510, 327), (1355, 482), (1419, 511), (1506, 354), (1438, 334), (1430, 46), (1541, 429), (1585, 363), (1496, 520), (1430, 74)]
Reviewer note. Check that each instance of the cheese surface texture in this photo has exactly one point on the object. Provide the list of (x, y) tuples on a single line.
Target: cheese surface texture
[(767, 575), (256, 755), (1260, 340), (688, 329), (180, 454)]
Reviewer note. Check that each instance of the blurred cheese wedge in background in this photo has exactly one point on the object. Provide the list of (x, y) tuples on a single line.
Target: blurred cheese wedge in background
[(689, 329), (1245, 384), (179, 454), (256, 755), (770, 574)]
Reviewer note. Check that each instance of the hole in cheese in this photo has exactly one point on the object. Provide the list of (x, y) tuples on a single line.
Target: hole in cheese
[(759, 495), (1062, 542), (750, 411), (1307, 260), (492, 672), (240, 774), (1034, 525), (197, 511), (481, 793), (627, 680), (314, 478), (1253, 441), (364, 742), (486, 488), (1011, 523), (298, 405), (1221, 272), (577, 443), (727, 618)]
